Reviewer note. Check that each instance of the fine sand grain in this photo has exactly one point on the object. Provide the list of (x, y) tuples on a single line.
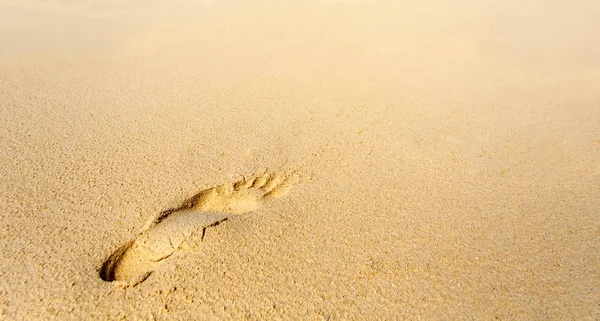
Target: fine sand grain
[(299, 160)]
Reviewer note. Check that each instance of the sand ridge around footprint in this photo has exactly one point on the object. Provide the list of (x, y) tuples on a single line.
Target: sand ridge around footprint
[(134, 261)]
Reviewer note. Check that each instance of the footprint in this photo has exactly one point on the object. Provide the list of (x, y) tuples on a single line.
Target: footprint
[(133, 262)]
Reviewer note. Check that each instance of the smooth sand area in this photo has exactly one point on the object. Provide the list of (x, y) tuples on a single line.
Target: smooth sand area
[(445, 156)]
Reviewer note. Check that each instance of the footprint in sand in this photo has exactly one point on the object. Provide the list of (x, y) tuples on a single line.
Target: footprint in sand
[(133, 262)]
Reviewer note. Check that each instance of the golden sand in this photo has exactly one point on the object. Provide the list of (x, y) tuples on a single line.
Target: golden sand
[(446, 158)]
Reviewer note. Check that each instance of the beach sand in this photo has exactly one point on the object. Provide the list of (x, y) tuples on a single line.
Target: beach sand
[(353, 160)]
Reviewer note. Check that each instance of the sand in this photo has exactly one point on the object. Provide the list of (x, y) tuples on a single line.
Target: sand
[(445, 155)]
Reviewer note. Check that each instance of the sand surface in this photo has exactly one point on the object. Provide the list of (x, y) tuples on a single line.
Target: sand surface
[(446, 157)]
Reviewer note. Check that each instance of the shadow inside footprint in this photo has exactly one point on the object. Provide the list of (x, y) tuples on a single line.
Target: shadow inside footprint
[(137, 259), (133, 262)]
